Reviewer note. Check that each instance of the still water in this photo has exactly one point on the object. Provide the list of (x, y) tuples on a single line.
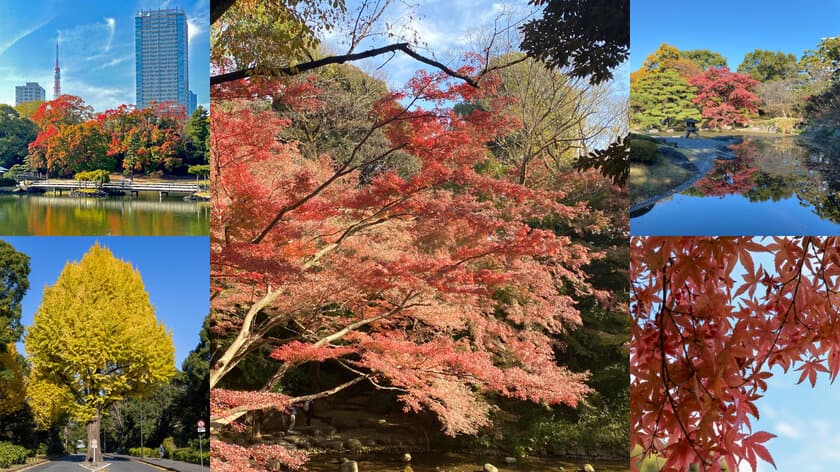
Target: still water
[(144, 215), (775, 186), (452, 462)]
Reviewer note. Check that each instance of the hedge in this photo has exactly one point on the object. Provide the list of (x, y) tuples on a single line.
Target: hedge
[(11, 454), (187, 454), (642, 151), (145, 452)]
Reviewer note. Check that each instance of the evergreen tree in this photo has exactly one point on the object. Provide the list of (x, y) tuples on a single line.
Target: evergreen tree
[(662, 98)]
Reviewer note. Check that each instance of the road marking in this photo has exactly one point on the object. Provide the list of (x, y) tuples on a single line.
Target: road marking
[(94, 469)]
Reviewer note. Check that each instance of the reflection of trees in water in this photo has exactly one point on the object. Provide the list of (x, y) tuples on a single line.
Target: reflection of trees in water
[(67, 216), (778, 169), (731, 177)]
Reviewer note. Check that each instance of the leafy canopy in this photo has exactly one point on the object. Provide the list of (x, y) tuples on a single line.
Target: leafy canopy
[(710, 321), (95, 339), (590, 36)]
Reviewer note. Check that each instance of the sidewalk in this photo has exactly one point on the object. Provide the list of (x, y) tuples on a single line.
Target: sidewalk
[(166, 463)]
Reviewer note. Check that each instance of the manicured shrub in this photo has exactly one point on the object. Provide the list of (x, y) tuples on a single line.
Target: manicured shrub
[(144, 452), (11, 454), (643, 151), (186, 454)]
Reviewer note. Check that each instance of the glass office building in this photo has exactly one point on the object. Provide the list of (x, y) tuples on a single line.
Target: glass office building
[(29, 93), (162, 57)]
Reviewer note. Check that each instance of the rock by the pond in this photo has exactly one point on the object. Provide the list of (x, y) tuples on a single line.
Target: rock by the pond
[(587, 468), (510, 460), (348, 466), (490, 468), (353, 444), (406, 457)]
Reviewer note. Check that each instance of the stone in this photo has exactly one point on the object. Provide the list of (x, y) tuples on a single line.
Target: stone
[(353, 444), (370, 442), (490, 468), (510, 460), (588, 468), (406, 457), (348, 466)]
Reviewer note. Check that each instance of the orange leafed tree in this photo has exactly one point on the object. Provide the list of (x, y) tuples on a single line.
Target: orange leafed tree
[(425, 279), (712, 317)]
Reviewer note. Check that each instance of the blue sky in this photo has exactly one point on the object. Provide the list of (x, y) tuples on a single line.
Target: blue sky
[(96, 39), (175, 272), (443, 29), (731, 27), (805, 420)]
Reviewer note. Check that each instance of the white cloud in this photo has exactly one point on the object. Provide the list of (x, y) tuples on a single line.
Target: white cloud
[(111, 24), (5, 45), (194, 28), (787, 429)]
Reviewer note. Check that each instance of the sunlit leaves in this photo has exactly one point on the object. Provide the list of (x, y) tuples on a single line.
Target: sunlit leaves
[(710, 323), (95, 337)]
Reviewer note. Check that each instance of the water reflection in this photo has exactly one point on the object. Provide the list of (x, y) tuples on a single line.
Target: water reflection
[(774, 186), (145, 215)]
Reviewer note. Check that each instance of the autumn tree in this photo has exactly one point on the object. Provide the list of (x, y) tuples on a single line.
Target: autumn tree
[(16, 132), (27, 109), (429, 284), (662, 99), (711, 318), (726, 98), (763, 65), (12, 391), (94, 341), (145, 140)]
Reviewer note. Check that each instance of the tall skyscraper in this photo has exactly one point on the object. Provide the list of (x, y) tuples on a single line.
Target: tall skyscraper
[(193, 102), (161, 54), (29, 93), (57, 82)]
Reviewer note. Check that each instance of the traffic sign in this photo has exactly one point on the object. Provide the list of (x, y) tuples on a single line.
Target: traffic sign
[(200, 426), (93, 444)]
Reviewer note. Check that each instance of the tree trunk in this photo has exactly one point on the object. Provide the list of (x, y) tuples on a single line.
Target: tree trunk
[(94, 449)]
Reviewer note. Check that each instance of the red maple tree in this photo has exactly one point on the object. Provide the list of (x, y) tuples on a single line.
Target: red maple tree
[(709, 324), (727, 98), (733, 176), (427, 282)]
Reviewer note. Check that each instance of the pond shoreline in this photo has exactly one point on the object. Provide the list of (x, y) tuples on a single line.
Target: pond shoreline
[(705, 151)]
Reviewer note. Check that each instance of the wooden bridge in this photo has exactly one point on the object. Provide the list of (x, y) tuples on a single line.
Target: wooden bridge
[(132, 188)]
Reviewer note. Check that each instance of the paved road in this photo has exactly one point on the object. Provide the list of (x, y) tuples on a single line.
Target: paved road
[(76, 464)]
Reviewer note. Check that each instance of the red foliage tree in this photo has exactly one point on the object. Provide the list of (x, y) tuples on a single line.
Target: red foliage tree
[(709, 324), (427, 282), (731, 177), (145, 140), (727, 98)]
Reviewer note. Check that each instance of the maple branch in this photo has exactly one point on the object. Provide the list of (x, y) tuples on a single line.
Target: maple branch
[(233, 414), (278, 375), (341, 59)]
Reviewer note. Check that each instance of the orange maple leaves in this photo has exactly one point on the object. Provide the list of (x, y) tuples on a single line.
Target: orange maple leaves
[(711, 317)]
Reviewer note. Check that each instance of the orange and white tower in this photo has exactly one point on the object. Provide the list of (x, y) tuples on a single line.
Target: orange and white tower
[(57, 84)]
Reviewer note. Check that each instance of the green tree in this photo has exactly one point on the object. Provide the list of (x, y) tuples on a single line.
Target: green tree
[(16, 133), (14, 282), (704, 58), (95, 340), (662, 98), (591, 36), (198, 129), (764, 66)]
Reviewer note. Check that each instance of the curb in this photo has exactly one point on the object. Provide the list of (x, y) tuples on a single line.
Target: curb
[(28, 467), (157, 466)]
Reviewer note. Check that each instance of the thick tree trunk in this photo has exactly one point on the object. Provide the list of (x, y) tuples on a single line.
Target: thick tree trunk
[(94, 449)]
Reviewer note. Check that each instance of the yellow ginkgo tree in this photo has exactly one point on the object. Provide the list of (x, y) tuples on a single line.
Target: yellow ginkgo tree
[(95, 340)]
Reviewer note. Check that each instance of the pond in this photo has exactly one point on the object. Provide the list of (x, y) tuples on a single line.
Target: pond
[(453, 462), (145, 215), (774, 186)]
